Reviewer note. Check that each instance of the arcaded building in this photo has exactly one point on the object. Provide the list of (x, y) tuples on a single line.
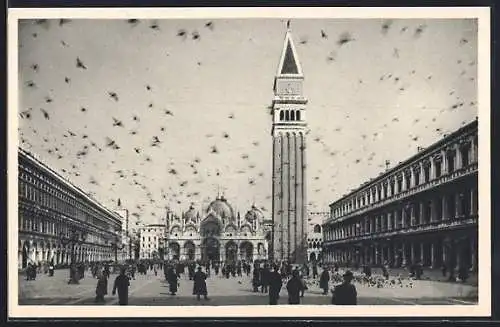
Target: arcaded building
[(57, 219), (218, 234), (424, 210)]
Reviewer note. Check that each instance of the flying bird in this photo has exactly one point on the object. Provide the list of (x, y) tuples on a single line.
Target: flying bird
[(154, 26), (344, 39), (209, 25), (395, 53), (324, 35), (385, 26), (113, 95), (195, 35), (117, 122), (45, 114), (182, 33), (419, 30), (80, 64)]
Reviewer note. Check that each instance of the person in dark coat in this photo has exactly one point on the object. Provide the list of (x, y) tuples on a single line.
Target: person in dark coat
[(367, 270), (275, 284), (264, 277), (256, 278), (345, 293), (122, 282), (200, 284), (315, 270), (463, 273), (385, 270), (101, 288), (172, 280), (294, 287), (51, 268), (323, 281)]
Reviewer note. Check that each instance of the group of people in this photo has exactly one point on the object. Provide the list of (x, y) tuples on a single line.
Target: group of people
[(272, 278), (121, 284)]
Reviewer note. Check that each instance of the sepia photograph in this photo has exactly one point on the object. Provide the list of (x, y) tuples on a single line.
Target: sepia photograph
[(281, 160)]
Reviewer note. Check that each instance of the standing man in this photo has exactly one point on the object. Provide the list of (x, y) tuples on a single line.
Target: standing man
[(200, 284), (323, 280), (256, 278), (315, 270), (345, 293), (294, 287), (51, 268), (172, 280), (264, 277), (275, 285), (101, 288), (122, 282)]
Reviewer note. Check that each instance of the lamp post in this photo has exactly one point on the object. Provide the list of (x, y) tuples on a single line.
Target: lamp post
[(74, 238)]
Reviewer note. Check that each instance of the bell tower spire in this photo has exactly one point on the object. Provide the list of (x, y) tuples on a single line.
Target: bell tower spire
[(289, 157)]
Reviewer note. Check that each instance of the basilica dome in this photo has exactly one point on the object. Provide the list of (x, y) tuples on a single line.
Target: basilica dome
[(254, 214), (221, 208), (190, 215)]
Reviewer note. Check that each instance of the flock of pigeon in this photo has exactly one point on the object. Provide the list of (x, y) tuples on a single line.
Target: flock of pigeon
[(76, 152)]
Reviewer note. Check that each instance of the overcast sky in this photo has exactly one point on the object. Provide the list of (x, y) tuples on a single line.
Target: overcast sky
[(387, 88)]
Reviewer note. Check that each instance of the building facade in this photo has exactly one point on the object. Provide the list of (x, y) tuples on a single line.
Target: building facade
[(289, 159), (425, 210), (315, 235), (56, 219), (218, 234), (125, 251), (152, 241)]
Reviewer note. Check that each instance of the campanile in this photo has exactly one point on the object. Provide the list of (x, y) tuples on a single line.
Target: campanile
[(289, 158)]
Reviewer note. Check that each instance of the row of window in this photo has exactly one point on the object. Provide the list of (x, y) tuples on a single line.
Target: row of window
[(59, 202), (29, 223), (316, 245), (289, 115), (448, 207), (37, 186), (445, 164)]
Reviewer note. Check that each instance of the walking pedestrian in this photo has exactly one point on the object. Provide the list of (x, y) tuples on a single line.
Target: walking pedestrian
[(200, 284), (172, 279), (315, 270), (345, 293), (101, 288), (385, 270), (122, 282), (256, 278), (264, 277), (294, 287), (323, 280), (275, 284), (51, 268)]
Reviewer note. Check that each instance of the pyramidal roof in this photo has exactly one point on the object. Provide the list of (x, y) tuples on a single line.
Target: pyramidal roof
[(289, 62)]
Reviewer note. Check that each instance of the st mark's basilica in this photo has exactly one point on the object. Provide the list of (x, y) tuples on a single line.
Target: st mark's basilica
[(217, 233)]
